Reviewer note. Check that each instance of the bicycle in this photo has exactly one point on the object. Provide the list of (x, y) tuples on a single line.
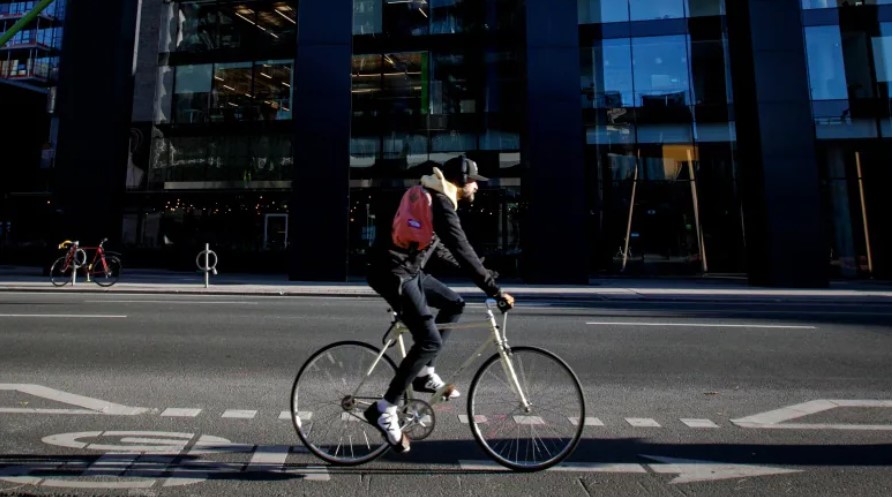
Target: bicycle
[(104, 269), (508, 408)]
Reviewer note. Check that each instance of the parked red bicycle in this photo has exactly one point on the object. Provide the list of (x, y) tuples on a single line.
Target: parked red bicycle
[(103, 269)]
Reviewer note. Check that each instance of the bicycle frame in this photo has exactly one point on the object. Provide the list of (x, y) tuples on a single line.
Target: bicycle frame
[(498, 340)]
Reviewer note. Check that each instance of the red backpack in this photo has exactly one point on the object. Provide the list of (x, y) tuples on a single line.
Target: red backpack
[(413, 224)]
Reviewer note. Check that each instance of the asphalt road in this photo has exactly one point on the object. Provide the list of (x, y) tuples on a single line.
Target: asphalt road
[(682, 398)]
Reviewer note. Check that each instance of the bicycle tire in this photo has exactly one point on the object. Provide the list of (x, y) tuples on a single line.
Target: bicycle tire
[(107, 278), (539, 438), (60, 275), (317, 400)]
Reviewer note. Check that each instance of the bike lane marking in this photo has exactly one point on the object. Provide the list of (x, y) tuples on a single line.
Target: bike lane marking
[(66, 316), (703, 325), (146, 459), (89, 405), (778, 418)]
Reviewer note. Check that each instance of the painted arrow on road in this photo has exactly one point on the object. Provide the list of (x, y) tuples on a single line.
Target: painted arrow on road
[(688, 470)]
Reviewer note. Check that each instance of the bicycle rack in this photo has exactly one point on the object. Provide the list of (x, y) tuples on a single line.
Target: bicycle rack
[(207, 267)]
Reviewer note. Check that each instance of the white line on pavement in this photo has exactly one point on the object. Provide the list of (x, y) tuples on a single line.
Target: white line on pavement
[(484, 465), (66, 316), (241, 414), (643, 423), (180, 413), (189, 302), (703, 325), (699, 423), (589, 421)]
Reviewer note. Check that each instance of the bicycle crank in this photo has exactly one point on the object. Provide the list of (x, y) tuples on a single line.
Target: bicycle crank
[(418, 419)]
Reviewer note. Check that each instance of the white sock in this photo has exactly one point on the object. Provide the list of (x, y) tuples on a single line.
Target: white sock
[(426, 371), (384, 406)]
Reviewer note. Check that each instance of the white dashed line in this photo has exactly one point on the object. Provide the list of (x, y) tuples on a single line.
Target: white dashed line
[(704, 325), (643, 423), (477, 419), (175, 412), (589, 421), (699, 423), (285, 415), (239, 414)]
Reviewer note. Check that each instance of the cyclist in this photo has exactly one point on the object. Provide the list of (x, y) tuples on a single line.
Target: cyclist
[(398, 275)]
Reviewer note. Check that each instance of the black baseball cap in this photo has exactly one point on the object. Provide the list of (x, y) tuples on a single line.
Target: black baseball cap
[(460, 170)]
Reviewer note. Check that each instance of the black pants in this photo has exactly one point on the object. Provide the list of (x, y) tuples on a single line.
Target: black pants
[(414, 301)]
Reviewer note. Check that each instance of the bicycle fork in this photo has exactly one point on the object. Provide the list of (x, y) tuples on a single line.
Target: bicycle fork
[(501, 340)]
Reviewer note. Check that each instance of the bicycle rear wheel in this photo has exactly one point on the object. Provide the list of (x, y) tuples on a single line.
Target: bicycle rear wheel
[(527, 439), (107, 277), (327, 409), (60, 273)]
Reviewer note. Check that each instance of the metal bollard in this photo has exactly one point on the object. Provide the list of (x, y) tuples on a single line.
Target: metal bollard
[(207, 267), (74, 264)]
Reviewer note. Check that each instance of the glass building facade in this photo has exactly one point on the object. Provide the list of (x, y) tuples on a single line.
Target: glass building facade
[(849, 48), (613, 131)]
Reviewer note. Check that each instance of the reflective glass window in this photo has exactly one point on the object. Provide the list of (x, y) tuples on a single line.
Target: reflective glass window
[(607, 74), (277, 23), (367, 17), (367, 78), (233, 99), (197, 26), (882, 54), (647, 10), (826, 69), (826, 4), (699, 8), (601, 11), (662, 70), (191, 92), (709, 68), (272, 89), (401, 90)]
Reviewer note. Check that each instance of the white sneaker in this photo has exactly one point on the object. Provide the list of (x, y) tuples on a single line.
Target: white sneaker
[(388, 424), (432, 383)]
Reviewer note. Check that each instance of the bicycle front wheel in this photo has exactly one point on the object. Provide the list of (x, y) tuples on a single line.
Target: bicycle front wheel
[(60, 273), (327, 402), (526, 438), (109, 275)]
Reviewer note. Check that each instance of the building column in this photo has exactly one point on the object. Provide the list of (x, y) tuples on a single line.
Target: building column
[(555, 233), (319, 206), (780, 182), (95, 97)]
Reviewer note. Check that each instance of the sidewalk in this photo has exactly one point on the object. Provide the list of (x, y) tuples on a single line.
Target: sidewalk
[(706, 289)]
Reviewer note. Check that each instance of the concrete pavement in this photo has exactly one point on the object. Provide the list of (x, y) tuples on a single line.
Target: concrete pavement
[(17, 278)]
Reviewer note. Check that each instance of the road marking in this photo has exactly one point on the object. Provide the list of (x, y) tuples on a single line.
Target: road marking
[(285, 415), (699, 423), (589, 421), (581, 467), (239, 414), (703, 325), (268, 458), (691, 471), (159, 458), (65, 316), (529, 420), (777, 419), (479, 419), (185, 302), (643, 423), (95, 406), (175, 412)]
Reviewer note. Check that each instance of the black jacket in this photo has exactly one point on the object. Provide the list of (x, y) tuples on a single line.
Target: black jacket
[(390, 265)]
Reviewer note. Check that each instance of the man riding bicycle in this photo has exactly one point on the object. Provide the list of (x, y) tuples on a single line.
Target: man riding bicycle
[(397, 274)]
